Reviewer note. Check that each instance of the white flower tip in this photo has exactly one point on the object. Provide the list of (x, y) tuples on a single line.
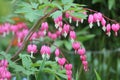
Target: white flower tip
[(77, 23), (98, 23), (90, 25), (104, 28), (56, 26), (65, 34), (109, 34), (82, 20), (60, 29)]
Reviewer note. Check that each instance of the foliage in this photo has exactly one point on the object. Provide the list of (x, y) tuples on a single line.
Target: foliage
[(30, 11)]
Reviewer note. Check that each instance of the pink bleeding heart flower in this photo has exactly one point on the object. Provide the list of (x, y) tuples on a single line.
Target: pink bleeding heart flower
[(57, 53), (97, 18), (68, 72), (76, 45), (115, 28), (14, 29), (66, 29), (81, 51), (25, 32), (61, 61), (4, 63), (53, 36), (103, 22), (44, 27), (85, 64), (58, 33), (108, 29), (41, 34), (31, 48), (83, 57), (45, 51), (6, 28), (72, 36), (90, 20), (20, 36), (68, 66), (58, 21)]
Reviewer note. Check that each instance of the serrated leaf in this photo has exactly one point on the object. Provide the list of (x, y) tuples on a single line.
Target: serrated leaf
[(26, 61), (111, 3), (34, 5), (56, 14), (5, 56), (30, 11)]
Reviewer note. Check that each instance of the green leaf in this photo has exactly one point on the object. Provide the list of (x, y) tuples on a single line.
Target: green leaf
[(62, 75), (26, 61), (111, 3), (18, 76), (58, 43), (67, 1), (86, 37), (30, 11), (97, 75), (40, 72), (40, 1), (34, 5), (56, 14), (5, 56), (68, 6), (96, 1), (68, 45), (57, 4), (79, 15)]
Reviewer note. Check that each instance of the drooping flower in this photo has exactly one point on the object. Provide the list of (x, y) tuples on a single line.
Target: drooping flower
[(68, 68), (76, 46), (81, 51), (61, 61), (44, 27), (45, 52), (32, 48), (108, 29), (90, 20), (97, 18), (53, 36), (103, 22), (66, 29), (72, 36), (57, 53), (115, 28)]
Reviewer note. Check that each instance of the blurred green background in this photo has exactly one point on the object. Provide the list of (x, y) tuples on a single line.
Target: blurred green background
[(103, 52)]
